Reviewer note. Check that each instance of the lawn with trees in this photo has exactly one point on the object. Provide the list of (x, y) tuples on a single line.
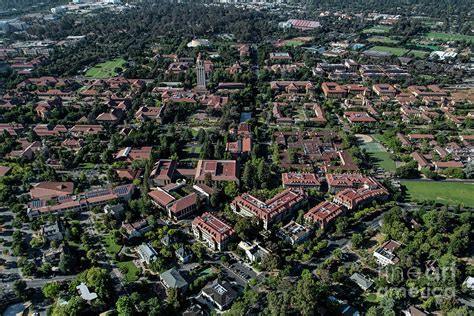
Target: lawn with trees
[(107, 69)]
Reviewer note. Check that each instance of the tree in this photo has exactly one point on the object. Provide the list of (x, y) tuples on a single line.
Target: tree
[(263, 174), (173, 298), (100, 281), (341, 225), (248, 177), (154, 307), (246, 228), (357, 240), (19, 286), (51, 290), (231, 190), (307, 294), (125, 306), (67, 263), (270, 262)]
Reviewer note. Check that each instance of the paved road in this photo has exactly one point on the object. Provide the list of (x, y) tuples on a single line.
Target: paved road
[(11, 270), (39, 283)]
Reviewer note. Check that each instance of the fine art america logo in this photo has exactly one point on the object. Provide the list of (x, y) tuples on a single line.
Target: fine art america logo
[(437, 282)]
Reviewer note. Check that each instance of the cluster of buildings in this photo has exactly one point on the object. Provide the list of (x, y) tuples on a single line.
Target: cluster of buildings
[(430, 154), (58, 198), (321, 150), (350, 191)]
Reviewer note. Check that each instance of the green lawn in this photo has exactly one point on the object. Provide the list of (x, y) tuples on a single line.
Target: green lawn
[(382, 39), (372, 298), (419, 53), (110, 245), (106, 69), (432, 47), (397, 51), (377, 30), (378, 152), (378, 137), (293, 43), (132, 274), (443, 192), (449, 37), (87, 166), (384, 161)]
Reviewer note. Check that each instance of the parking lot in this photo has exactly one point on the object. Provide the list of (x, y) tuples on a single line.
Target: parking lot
[(239, 272)]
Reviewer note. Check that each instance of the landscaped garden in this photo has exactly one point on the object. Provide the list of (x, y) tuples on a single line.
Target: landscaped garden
[(107, 69)]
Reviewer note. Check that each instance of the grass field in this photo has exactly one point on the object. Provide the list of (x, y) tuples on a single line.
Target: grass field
[(384, 161), (432, 47), (419, 53), (397, 51), (106, 70), (110, 245), (449, 37), (378, 137), (132, 273), (452, 193), (377, 30), (293, 43), (378, 152), (382, 39), (87, 166)]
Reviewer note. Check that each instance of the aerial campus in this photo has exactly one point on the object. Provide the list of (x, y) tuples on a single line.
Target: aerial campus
[(236, 157)]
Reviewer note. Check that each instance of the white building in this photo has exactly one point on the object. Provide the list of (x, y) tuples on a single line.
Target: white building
[(385, 254), (147, 253), (254, 251)]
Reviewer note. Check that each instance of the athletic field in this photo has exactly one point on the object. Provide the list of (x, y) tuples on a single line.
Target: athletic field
[(378, 152), (106, 69), (452, 193), (449, 37)]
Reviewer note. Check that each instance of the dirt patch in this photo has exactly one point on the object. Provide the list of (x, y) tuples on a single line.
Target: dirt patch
[(364, 138)]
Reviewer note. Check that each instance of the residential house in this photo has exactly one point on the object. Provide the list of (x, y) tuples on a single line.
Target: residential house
[(136, 229), (172, 279), (362, 281), (385, 254), (253, 251), (147, 253), (220, 294), (53, 231), (183, 255)]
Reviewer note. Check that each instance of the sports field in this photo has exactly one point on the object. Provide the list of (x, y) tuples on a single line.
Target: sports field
[(397, 51), (378, 153), (449, 37), (106, 69), (377, 30), (452, 193), (382, 39)]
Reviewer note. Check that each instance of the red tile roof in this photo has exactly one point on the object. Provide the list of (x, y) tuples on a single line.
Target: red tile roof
[(183, 203), (216, 228), (49, 190), (161, 197)]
